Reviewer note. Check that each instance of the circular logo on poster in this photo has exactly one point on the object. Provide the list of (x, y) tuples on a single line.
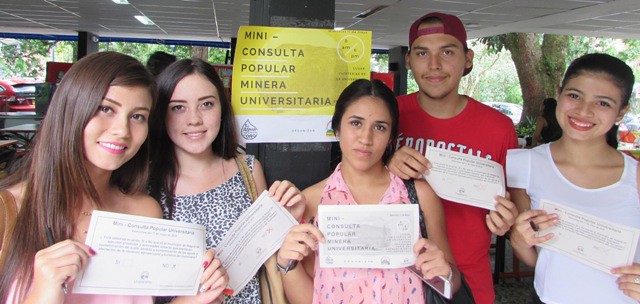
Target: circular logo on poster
[(350, 48), (248, 131)]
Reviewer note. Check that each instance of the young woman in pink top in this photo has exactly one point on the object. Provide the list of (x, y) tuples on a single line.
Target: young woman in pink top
[(91, 154), (366, 123)]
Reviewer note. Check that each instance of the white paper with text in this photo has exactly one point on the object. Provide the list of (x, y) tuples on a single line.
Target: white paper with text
[(256, 235), (137, 255), (464, 178), (368, 236), (591, 240)]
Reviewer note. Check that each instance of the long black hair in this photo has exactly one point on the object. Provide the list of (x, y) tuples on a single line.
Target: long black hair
[(618, 72), (164, 164), (374, 88)]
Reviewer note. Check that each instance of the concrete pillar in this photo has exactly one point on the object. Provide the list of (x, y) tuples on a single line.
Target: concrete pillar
[(87, 44), (398, 67), (302, 163)]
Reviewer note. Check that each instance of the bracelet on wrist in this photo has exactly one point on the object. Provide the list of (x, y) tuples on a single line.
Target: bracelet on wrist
[(290, 266)]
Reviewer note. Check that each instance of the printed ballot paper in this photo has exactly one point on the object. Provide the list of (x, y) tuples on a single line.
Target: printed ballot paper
[(139, 255), (599, 243), (255, 236), (464, 178), (368, 236)]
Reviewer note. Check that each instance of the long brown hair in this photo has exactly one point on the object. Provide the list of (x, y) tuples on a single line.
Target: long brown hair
[(54, 175)]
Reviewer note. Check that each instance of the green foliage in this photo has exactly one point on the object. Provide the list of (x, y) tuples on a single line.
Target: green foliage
[(25, 59), (494, 44), (526, 127), (142, 51), (412, 85), (217, 55), (380, 63), (493, 77)]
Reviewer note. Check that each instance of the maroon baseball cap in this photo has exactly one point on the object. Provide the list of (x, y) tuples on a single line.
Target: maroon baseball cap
[(451, 25)]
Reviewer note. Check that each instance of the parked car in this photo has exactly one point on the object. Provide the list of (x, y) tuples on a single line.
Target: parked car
[(6, 93), (18, 95), (514, 111), (25, 100)]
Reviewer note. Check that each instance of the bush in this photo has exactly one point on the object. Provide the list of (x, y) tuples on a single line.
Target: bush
[(526, 127)]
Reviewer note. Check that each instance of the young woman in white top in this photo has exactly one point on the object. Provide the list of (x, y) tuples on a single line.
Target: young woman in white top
[(581, 170)]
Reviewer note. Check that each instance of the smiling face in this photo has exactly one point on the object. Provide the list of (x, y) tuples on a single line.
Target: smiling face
[(118, 128), (194, 114), (365, 132), (437, 62), (588, 106)]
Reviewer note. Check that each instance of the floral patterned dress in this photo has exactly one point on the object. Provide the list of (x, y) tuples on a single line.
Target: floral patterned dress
[(360, 285), (218, 209)]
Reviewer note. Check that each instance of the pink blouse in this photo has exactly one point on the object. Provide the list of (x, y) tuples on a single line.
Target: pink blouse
[(73, 298), (359, 285)]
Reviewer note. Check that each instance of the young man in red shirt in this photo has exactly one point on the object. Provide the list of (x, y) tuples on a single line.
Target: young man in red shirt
[(437, 115)]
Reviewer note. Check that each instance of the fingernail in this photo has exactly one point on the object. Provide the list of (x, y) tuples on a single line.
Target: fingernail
[(202, 289), (228, 291), (205, 264), (92, 252)]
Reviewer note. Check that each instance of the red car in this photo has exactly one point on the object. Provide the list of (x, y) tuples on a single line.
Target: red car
[(17, 97), (6, 93)]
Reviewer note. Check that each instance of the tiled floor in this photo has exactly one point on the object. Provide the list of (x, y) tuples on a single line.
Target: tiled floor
[(512, 290)]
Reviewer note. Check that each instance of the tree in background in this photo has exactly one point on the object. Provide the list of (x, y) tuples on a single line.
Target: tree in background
[(540, 62), (493, 77), (27, 58), (541, 59), (142, 51), (24, 59)]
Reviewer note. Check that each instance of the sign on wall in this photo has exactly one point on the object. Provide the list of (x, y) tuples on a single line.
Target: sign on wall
[(286, 80)]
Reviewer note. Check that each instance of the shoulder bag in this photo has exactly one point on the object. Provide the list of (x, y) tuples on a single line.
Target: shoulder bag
[(271, 287), (463, 295), (8, 215)]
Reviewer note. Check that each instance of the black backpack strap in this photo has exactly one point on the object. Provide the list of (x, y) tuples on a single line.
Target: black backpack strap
[(413, 197)]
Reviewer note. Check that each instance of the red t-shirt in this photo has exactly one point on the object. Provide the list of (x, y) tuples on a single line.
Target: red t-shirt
[(478, 130)]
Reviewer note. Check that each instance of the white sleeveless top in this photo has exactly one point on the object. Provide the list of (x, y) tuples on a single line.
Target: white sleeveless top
[(559, 279)]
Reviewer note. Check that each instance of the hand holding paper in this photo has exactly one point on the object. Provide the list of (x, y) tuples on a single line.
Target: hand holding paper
[(301, 241), (368, 236), (464, 178), (524, 236), (255, 236), (503, 217), (591, 240), (430, 259), (629, 280), (288, 196), (142, 256)]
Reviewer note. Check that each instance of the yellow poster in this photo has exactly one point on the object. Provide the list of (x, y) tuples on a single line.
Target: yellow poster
[(292, 77)]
